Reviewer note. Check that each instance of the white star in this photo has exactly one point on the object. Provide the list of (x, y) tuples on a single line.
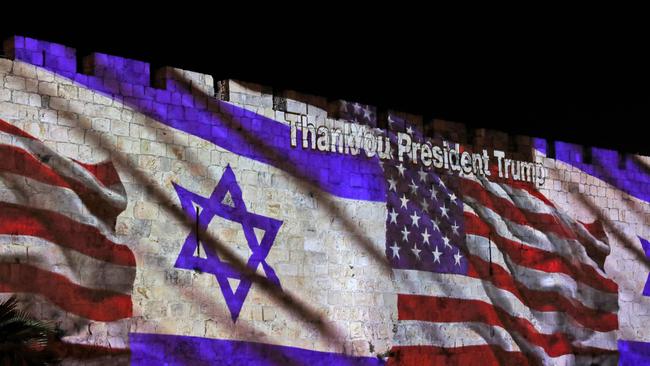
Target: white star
[(401, 169), (425, 236), (443, 210), (409, 130), (395, 250), (434, 193), (404, 200), (366, 113), (415, 219), (425, 205), (392, 184), (393, 216), (436, 255), (405, 234), (357, 107), (446, 240), (454, 228), (416, 251), (457, 258), (441, 183), (423, 175), (452, 197), (435, 225), (414, 188)]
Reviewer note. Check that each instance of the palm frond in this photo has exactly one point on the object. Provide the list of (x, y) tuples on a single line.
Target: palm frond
[(23, 339)]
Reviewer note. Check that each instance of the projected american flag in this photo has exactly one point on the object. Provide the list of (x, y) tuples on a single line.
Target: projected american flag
[(492, 273), (57, 230)]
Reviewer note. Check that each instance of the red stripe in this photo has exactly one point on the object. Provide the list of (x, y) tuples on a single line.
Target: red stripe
[(541, 221), (528, 187), (448, 310), (545, 223), (596, 229), (20, 162), (13, 130), (539, 259), (63, 231), (599, 320), (104, 172), (65, 350), (94, 304), (485, 355)]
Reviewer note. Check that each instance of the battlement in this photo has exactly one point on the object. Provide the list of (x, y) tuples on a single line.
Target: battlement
[(132, 80)]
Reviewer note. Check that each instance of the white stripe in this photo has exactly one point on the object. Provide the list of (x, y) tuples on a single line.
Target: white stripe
[(518, 197), (450, 335), (25, 191), (569, 249), (528, 202), (78, 268), (468, 288), (534, 279), (523, 199), (68, 168)]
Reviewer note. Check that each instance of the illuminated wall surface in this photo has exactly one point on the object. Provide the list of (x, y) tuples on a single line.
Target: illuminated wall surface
[(167, 219)]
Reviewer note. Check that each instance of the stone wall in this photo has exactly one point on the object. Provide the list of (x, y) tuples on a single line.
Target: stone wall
[(314, 223)]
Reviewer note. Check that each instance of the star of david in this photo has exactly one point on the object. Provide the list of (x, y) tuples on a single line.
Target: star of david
[(234, 210)]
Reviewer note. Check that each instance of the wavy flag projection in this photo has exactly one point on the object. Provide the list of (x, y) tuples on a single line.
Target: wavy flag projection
[(57, 226), (493, 273)]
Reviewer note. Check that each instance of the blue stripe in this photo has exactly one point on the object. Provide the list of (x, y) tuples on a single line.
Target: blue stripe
[(235, 129), (160, 349), (632, 178), (633, 353)]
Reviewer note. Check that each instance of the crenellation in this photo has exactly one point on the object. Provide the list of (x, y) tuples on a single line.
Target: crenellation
[(116, 68), (364, 114), (491, 139), (165, 128), (41, 53), (448, 131)]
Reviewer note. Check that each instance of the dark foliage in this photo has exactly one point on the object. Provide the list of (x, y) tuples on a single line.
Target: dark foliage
[(23, 339)]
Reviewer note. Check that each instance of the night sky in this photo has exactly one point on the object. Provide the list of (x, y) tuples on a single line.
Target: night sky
[(590, 89)]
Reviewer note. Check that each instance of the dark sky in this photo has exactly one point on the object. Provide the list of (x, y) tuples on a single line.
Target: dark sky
[(584, 88)]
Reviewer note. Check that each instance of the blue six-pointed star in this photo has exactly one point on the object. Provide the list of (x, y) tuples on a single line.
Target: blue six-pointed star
[(235, 211)]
